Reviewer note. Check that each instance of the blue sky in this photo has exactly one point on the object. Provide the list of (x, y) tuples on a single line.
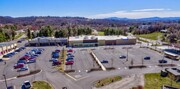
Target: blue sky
[(91, 8)]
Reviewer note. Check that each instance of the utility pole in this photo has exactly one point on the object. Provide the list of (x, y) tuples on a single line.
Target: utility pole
[(5, 80)]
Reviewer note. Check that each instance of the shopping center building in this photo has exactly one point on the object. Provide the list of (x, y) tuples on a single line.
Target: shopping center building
[(87, 41)]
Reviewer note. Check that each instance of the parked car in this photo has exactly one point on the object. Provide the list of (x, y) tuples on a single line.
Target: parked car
[(162, 61), (18, 65), (38, 52), (22, 48), (1, 60), (26, 85), (31, 60), (147, 58), (17, 50), (104, 61), (6, 56), (68, 59), (19, 41), (122, 57), (53, 59), (22, 61), (70, 50), (57, 50), (22, 69), (9, 54), (25, 57), (10, 87), (13, 53), (69, 62), (55, 55), (56, 63)]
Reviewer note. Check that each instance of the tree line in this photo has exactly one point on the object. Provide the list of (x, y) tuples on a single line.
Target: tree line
[(7, 33), (48, 31), (113, 31)]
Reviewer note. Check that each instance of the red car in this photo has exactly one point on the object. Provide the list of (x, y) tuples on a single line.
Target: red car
[(56, 63), (57, 50), (32, 58), (24, 57), (19, 65), (69, 62), (70, 50)]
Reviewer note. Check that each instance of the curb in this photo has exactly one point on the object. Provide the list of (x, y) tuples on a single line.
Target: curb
[(103, 68), (9, 79)]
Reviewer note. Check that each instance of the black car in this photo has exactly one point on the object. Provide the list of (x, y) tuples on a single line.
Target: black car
[(1, 60), (162, 61), (147, 58), (122, 57), (19, 41)]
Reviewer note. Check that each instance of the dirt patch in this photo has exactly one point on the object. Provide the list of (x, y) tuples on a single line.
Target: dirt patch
[(137, 66)]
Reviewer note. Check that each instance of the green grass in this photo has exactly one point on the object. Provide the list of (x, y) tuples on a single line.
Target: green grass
[(154, 81), (41, 85), (143, 40), (152, 36), (101, 33), (107, 81), (19, 35)]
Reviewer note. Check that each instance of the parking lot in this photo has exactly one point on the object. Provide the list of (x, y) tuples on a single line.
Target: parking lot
[(7, 67), (134, 56), (83, 61)]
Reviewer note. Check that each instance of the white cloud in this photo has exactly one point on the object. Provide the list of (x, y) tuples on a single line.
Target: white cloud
[(147, 10), (143, 13)]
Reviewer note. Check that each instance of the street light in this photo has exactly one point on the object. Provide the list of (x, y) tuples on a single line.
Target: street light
[(127, 48), (5, 80)]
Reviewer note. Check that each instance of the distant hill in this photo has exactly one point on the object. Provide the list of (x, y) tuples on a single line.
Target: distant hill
[(54, 21), (147, 19)]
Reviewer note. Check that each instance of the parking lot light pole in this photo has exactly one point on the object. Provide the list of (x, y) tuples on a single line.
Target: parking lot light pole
[(5, 80), (127, 48)]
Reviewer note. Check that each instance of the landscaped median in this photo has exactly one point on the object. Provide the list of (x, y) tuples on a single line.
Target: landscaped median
[(106, 81), (41, 85), (155, 81)]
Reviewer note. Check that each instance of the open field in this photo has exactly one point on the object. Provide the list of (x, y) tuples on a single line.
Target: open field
[(155, 81), (152, 36), (101, 33)]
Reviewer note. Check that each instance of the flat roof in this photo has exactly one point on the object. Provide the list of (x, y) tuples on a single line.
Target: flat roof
[(175, 71), (6, 43), (91, 37)]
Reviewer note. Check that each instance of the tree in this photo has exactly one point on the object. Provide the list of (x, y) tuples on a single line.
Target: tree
[(13, 33), (29, 35)]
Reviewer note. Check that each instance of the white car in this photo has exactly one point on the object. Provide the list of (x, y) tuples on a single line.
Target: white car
[(26, 85)]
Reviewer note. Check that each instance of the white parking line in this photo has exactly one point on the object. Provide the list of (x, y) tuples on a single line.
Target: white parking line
[(149, 66), (70, 76), (86, 70), (79, 71), (119, 68), (125, 67)]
